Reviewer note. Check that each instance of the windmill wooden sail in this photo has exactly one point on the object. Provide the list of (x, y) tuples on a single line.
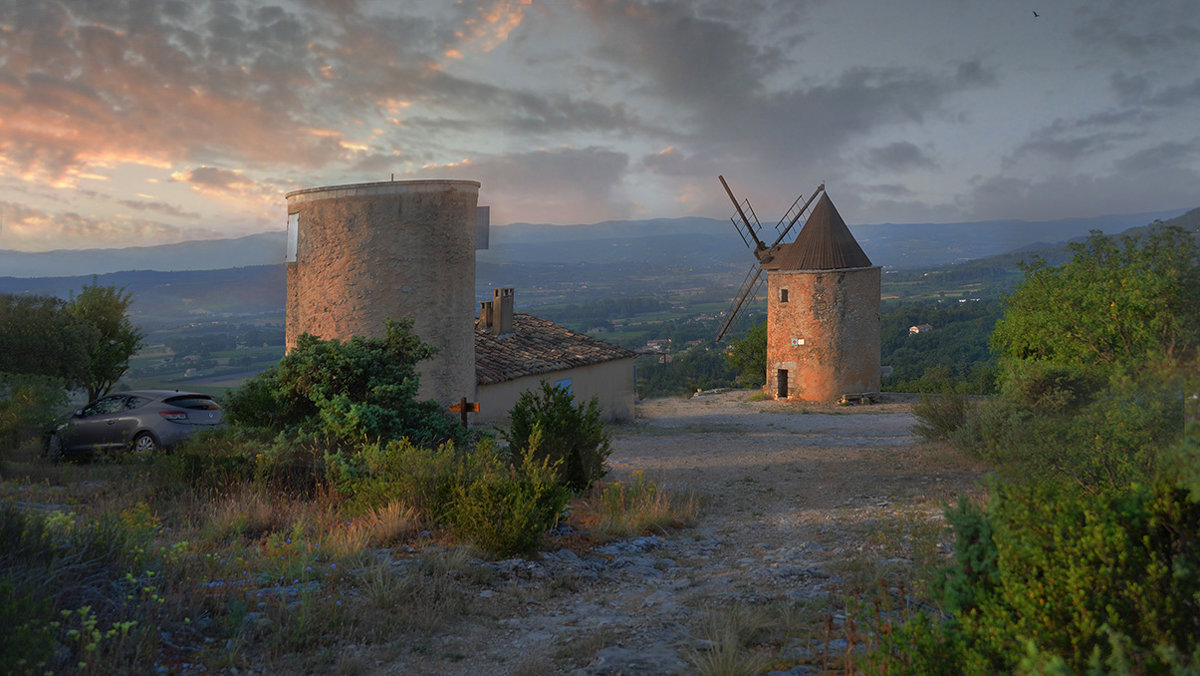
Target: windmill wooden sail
[(763, 253)]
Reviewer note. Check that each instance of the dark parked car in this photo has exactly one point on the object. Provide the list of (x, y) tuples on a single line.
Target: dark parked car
[(142, 421)]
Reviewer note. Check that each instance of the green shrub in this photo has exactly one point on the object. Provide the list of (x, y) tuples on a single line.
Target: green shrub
[(1048, 388), (28, 641), (375, 475), (1052, 577), (1111, 440), (219, 460), (29, 406), (507, 508), (332, 393), (573, 437), (939, 415)]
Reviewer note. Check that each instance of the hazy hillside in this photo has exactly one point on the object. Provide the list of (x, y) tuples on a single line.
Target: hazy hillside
[(172, 296), (681, 241), (668, 263), (699, 241), (262, 249)]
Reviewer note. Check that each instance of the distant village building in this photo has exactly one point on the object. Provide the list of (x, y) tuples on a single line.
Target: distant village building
[(919, 328), (360, 254)]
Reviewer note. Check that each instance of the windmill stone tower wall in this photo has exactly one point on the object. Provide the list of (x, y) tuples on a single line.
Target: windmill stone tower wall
[(822, 313), (359, 254)]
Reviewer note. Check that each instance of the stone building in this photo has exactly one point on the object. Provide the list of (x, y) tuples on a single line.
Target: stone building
[(823, 300), (360, 254), (515, 352)]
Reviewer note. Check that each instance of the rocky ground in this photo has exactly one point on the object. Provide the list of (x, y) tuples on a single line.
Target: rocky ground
[(800, 506)]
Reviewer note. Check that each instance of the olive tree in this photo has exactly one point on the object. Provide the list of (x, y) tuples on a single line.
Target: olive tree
[(114, 339)]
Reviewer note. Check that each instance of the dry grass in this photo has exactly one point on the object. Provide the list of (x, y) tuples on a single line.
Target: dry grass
[(730, 635), (378, 528), (638, 507)]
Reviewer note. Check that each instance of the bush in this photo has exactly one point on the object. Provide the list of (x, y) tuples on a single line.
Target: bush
[(940, 415), (335, 393), (573, 437), (1110, 440), (378, 474), (1050, 576), (507, 508), (218, 461), (29, 406)]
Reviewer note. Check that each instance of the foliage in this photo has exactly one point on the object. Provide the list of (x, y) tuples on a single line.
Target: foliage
[(502, 506), (954, 355), (30, 404), (748, 356), (40, 336), (1053, 424), (64, 596), (939, 415), (1116, 304), (376, 474), (699, 368), (28, 641), (1053, 577), (507, 508), (346, 393), (115, 338), (572, 438)]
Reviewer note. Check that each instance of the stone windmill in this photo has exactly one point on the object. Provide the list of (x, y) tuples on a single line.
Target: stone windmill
[(822, 303)]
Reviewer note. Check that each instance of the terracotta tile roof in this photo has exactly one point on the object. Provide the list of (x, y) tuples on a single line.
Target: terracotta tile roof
[(537, 346), (824, 243)]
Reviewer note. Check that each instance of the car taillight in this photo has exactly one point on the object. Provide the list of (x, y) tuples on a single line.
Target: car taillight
[(174, 416)]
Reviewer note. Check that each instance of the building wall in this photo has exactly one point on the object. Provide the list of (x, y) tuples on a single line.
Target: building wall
[(373, 251), (611, 382), (826, 335)]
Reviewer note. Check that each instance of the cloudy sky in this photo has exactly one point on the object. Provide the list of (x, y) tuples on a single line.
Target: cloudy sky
[(126, 122)]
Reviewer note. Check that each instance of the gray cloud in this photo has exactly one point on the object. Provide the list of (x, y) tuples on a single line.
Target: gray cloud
[(164, 208), (1172, 23), (1171, 155), (574, 181), (900, 156)]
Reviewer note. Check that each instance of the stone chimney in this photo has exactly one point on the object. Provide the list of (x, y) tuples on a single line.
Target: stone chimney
[(502, 311), (496, 315), (485, 315)]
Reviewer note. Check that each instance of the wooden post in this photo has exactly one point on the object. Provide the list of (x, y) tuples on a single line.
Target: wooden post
[(464, 407)]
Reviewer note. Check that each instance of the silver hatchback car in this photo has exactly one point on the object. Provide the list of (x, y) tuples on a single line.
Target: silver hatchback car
[(143, 421)]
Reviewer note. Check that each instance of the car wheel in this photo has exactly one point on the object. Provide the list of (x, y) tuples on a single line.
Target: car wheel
[(54, 448), (144, 444)]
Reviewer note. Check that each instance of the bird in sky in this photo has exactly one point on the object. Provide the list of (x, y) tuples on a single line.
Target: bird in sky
[(1035, 14)]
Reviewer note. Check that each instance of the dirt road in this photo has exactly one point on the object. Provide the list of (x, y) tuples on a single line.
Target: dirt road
[(795, 502)]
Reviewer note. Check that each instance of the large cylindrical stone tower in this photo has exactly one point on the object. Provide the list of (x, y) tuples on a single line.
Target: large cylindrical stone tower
[(359, 254), (822, 313)]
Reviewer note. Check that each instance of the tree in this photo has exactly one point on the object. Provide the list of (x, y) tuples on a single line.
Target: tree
[(748, 355), (1117, 304), (363, 389), (40, 336), (547, 423), (114, 340)]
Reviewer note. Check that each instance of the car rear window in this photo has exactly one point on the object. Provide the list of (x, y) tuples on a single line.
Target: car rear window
[(197, 402)]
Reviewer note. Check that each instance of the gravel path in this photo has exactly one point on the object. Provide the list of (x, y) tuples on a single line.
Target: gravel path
[(790, 498)]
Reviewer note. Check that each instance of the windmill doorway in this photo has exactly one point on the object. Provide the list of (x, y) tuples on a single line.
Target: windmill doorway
[(781, 382)]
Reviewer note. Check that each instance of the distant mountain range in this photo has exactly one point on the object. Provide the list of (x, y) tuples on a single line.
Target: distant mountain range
[(555, 264), (681, 241)]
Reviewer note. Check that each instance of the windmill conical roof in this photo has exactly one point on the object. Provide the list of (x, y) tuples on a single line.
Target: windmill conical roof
[(824, 243)]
